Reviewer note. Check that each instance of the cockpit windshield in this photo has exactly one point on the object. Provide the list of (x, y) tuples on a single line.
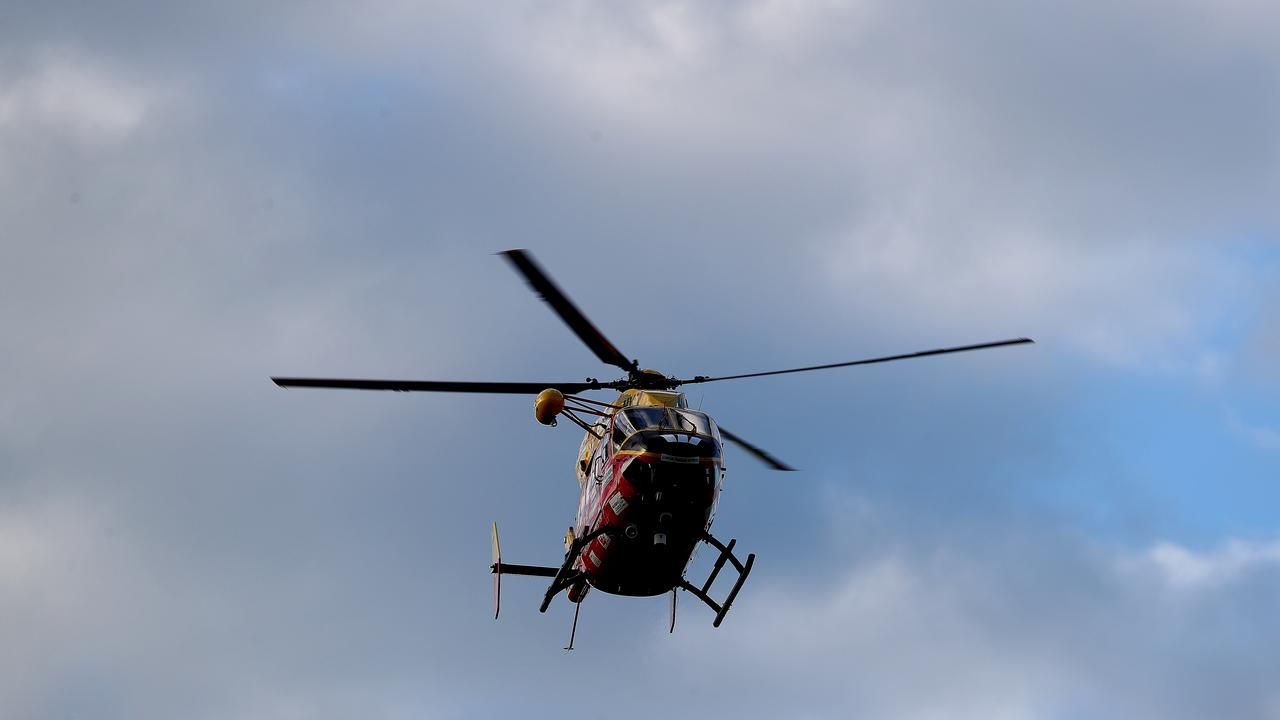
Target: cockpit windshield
[(635, 419)]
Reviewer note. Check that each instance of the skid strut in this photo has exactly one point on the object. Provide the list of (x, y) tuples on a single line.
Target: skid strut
[(573, 631), (726, 555), (566, 576)]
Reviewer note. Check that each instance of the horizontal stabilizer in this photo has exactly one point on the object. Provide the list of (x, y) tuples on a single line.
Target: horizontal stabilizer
[(513, 569)]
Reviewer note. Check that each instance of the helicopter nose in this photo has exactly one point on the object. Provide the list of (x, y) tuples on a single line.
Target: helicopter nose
[(668, 462)]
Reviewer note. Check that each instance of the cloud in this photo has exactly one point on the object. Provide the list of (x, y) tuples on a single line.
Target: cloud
[(73, 96), (1025, 628), (1186, 568), (1262, 436), (195, 198), (973, 170)]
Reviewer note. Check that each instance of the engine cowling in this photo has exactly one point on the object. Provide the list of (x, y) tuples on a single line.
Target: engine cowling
[(548, 405)]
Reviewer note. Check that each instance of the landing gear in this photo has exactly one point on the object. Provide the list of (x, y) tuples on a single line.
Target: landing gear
[(573, 631), (575, 581), (726, 555), (566, 577)]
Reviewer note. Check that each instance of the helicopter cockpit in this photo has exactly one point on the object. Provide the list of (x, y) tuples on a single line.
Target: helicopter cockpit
[(650, 420)]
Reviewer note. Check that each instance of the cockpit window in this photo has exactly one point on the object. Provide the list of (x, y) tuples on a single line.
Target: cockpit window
[(633, 420)]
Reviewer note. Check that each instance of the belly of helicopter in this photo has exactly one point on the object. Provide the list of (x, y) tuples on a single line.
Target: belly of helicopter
[(657, 511)]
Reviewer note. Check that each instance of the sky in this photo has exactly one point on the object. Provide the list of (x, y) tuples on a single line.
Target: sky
[(195, 198)]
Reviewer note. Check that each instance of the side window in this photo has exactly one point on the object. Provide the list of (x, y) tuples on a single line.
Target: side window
[(587, 452), (602, 444), (599, 455), (623, 426)]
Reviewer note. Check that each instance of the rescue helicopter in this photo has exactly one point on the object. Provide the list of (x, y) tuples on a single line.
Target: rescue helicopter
[(650, 468)]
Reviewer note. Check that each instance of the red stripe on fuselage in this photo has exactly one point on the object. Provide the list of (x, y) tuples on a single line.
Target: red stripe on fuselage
[(653, 536)]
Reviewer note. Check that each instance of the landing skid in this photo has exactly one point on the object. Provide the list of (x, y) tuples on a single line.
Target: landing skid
[(726, 555)]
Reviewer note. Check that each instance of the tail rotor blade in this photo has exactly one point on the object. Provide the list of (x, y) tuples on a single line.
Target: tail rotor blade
[(497, 574)]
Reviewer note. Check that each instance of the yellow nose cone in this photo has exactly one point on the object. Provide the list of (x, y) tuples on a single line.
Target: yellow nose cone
[(548, 405)]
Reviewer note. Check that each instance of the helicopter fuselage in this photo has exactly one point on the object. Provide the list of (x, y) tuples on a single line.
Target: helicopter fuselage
[(650, 476)]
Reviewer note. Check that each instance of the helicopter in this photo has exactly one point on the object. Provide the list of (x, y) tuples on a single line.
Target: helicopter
[(650, 469)]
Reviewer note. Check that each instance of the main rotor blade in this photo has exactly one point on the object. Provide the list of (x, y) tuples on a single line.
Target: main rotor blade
[(513, 388), (869, 361), (567, 311), (759, 454)]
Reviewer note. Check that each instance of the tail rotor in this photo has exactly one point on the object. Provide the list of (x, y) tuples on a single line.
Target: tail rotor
[(497, 573)]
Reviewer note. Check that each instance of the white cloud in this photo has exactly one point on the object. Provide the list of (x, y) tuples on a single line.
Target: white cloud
[(1261, 436), (1137, 303), (76, 97), (1025, 629), (1235, 558), (974, 170)]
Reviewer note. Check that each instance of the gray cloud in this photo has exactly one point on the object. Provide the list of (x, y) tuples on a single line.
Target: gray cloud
[(1007, 629)]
